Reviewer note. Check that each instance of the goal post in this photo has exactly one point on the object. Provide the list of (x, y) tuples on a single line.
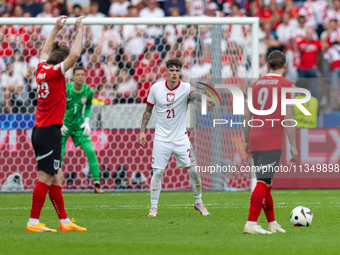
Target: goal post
[(116, 118)]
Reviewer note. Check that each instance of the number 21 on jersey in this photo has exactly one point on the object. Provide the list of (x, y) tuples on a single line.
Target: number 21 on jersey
[(171, 113)]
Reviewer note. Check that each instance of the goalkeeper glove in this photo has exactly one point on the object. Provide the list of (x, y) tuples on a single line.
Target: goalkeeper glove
[(63, 130), (86, 127)]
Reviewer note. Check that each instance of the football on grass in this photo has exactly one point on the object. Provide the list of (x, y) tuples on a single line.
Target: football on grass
[(301, 216)]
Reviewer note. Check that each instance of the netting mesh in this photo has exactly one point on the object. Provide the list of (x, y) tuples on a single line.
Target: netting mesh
[(121, 63)]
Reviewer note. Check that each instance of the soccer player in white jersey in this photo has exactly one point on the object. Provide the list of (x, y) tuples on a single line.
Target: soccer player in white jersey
[(170, 99)]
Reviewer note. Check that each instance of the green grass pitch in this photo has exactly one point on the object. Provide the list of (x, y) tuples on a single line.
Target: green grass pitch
[(117, 223)]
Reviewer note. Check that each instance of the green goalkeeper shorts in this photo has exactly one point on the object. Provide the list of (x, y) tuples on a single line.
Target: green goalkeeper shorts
[(77, 136)]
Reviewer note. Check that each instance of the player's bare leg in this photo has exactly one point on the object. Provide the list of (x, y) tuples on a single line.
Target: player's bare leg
[(57, 200), (195, 183), (155, 190), (38, 199)]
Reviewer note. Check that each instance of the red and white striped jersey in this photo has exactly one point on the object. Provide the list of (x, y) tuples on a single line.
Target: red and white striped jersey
[(332, 55), (332, 14), (314, 11)]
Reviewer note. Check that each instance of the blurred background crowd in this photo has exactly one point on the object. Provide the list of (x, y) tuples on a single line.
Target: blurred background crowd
[(123, 61)]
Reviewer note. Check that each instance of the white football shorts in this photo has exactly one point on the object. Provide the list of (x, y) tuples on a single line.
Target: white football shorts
[(182, 150)]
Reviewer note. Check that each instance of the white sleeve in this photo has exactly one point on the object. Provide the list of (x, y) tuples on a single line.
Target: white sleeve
[(151, 101)]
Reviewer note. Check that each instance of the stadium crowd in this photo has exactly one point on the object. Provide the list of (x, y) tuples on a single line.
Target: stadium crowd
[(123, 61)]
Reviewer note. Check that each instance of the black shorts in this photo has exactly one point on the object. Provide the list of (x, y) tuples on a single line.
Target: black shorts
[(46, 143), (266, 161)]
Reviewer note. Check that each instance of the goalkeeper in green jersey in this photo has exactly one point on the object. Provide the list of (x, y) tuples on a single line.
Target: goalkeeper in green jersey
[(78, 127)]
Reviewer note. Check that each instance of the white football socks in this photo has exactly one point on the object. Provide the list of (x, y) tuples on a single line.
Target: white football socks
[(156, 186), (195, 183), (273, 223), (251, 223), (32, 222), (65, 221)]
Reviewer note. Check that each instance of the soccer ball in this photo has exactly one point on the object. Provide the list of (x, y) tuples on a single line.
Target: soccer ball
[(301, 216)]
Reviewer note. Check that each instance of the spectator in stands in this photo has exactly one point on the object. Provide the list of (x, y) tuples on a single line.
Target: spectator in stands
[(290, 7), (263, 70), (32, 6), (315, 13), (119, 8), (76, 11), (127, 62), (152, 11), (108, 41), (95, 72), (333, 14), (13, 87), (111, 68), (331, 34), (19, 64), (133, 35), (47, 11), (195, 7), (310, 50), (85, 5), (126, 88), (17, 11), (178, 5), (200, 69), (236, 33), (333, 57), (146, 71), (285, 30), (95, 29), (271, 39)]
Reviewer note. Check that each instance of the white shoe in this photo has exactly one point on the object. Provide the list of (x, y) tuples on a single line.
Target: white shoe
[(201, 208), (276, 228), (153, 212), (255, 229)]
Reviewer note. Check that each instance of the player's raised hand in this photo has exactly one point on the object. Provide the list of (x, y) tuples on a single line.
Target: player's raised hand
[(79, 22), (295, 154), (61, 22), (142, 139), (63, 130), (86, 127), (210, 102)]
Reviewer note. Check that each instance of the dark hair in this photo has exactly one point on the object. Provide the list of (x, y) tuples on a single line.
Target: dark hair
[(174, 62), (130, 7), (58, 53), (78, 68), (276, 60), (236, 5), (76, 6)]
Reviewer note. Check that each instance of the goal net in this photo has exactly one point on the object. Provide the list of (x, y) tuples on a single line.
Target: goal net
[(123, 57)]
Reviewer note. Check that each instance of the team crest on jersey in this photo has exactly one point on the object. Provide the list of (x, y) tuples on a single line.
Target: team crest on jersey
[(83, 100), (170, 97), (56, 164), (56, 67)]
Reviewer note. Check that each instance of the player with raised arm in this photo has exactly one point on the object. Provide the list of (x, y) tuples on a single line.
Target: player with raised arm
[(265, 142), (79, 96), (170, 98), (55, 60)]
